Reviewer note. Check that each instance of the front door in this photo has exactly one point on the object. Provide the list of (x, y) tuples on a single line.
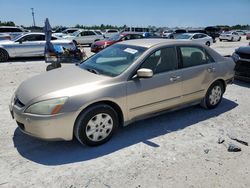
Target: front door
[(163, 90)]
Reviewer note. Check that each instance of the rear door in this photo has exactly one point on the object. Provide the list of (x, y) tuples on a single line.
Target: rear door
[(163, 90), (198, 71)]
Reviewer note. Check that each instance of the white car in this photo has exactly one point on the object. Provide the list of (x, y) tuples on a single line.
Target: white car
[(168, 34), (200, 38), (29, 45), (84, 37), (66, 32), (230, 36), (12, 31), (110, 32)]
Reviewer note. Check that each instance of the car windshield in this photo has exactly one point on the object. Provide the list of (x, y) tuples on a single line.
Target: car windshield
[(98, 32), (17, 37), (114, 37), (183, 36), (113, 60)]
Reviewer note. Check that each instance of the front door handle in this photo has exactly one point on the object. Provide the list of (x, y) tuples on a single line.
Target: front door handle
[(211, 69), (175, 78)]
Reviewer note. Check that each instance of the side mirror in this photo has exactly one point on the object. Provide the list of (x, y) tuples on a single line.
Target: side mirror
[(20, 41), (144, 73)]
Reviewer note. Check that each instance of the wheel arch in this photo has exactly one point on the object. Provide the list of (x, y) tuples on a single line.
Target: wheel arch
[(110, 103)]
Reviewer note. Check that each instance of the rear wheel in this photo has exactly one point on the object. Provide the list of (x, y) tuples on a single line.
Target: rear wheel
[(4, 56), (213, 96), (96, 125)]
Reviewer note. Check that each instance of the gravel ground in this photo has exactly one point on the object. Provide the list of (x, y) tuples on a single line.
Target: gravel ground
[(177, 149)]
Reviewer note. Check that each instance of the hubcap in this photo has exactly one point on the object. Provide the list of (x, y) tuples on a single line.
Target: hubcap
[(215, 95), (99, 127)]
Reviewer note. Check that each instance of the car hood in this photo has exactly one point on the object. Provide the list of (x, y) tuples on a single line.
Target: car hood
[(243, 50), (60, 82)]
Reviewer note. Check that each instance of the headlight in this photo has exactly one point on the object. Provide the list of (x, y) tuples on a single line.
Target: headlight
[(48, 107), (235, 57)]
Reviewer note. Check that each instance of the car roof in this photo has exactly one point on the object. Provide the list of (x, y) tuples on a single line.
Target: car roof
[(148, 43)]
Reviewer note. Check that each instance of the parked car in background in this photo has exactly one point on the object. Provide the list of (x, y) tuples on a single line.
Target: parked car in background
[(100, 45), (29, 45), (240, 32), (241, 56), (4, 36), (213, 32), (110, 32), (136, 29), (12, 31), (84, 37), (178, 32), (128, 81), (248, 35), (168, 34), (66, 32), (200, 38), (230, 36)]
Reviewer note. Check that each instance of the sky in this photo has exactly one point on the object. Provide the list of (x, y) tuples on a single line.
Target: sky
[(194, 13)]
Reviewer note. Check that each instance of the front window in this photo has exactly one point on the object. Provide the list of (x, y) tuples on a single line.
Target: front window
[(113, 60), (183, 36)]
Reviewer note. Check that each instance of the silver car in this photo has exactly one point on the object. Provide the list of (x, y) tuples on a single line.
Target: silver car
[(29, 45), (200, 38), (125, 82)]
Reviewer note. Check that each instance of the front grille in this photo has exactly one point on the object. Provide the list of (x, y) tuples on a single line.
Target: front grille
[(20, 125), (18, 103)]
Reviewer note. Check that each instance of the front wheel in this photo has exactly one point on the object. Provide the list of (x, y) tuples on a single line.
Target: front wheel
[(208, 43), (4, 56), (239, 39), (213, 96), (96, 125)]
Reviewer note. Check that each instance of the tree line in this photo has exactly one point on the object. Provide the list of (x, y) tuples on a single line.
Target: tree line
[(103, 26)]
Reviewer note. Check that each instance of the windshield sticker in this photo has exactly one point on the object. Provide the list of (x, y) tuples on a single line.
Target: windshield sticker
[(131, 51)]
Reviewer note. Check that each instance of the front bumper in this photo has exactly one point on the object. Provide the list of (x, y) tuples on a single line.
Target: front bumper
[(56, 127)]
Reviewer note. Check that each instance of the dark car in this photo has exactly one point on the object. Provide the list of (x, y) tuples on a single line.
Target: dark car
[(213, 32), (241, 57), (100, 45)]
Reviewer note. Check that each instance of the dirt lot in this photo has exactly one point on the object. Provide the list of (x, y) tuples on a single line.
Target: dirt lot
[(178, 149)]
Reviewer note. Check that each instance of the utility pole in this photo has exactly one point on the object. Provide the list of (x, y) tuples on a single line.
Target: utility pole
[(33, 16)]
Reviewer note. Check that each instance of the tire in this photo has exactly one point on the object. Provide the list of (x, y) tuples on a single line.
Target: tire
[(94, 118), (4, 56), (232, 39), (239, 39), (208, 43), (213, 96)]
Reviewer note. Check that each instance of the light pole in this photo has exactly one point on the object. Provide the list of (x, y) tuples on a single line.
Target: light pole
[(33, 16)]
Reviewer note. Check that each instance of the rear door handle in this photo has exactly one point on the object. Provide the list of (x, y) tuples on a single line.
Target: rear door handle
[(175, 78)]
